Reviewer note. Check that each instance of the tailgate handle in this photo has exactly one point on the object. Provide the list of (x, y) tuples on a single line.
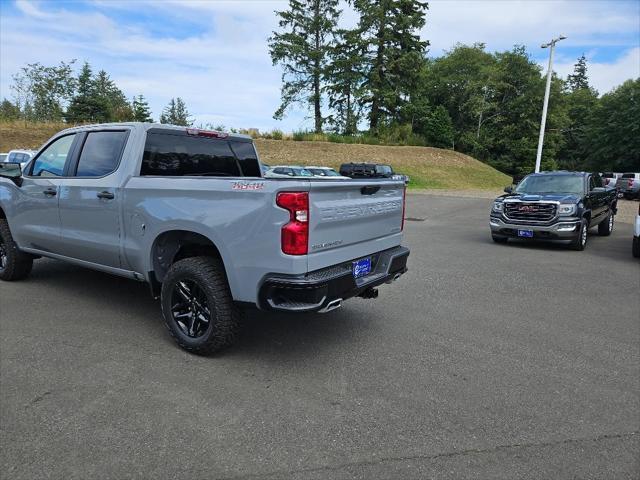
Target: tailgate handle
[(369, 190)]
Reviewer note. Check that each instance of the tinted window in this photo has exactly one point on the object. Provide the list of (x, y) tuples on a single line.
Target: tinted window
[(628, 175), (50, 163), (597, 180), (179, 155), (247, 157), (100, 153)]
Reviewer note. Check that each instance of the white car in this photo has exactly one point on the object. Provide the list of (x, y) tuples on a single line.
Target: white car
[(20, 156), (287, 171), (636, 236), (3, 157), (326, 172)]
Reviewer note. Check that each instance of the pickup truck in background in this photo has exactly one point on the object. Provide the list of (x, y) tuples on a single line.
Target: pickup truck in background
[(554, 206), (628, 185), (188, 212)]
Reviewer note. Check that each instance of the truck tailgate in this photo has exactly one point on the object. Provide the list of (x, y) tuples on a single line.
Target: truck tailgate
[(350, 219)]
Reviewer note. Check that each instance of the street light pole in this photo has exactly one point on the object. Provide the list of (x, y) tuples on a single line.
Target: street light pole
[(543, 122)]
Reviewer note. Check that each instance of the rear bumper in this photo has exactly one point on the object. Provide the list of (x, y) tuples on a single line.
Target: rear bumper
[(318, 290), (566, 229)]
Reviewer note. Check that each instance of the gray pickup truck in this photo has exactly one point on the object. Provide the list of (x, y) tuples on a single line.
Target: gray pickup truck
[(188, 211)]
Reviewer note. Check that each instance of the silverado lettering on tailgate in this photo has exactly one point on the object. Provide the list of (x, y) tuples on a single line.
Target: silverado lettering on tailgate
[(355, 211)]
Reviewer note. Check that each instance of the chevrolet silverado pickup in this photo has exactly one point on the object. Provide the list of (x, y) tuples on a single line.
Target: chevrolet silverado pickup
[(554, 206), (188, 212)]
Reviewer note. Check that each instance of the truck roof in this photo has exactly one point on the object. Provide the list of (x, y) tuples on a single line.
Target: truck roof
[(559, 172), (148, 126)]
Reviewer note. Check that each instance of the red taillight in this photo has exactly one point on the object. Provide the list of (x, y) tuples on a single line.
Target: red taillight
[(404, 203), (295, 234), (206, 133), (630, 182)]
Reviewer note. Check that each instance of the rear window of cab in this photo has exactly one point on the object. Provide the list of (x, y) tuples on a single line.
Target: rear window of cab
[(174, 153)]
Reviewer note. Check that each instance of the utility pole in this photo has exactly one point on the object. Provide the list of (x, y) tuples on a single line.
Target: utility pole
[(551, 46)]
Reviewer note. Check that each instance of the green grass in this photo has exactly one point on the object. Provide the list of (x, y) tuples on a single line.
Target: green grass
[(429, 168)]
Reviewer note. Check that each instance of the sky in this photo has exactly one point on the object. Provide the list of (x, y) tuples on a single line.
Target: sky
[(214, 54)]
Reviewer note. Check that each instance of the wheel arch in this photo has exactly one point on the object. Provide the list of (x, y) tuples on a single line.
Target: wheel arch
[(173, 245)]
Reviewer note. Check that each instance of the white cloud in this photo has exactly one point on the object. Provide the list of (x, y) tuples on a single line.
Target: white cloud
[(606, 76)]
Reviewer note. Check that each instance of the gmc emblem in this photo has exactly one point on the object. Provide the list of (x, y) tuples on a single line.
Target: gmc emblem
[(527, 208)]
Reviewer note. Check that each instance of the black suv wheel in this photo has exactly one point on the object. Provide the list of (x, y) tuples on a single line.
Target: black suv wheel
[(580, 241), (606, 226)]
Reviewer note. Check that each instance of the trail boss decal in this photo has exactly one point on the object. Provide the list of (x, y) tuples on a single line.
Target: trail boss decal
[(247, 185)]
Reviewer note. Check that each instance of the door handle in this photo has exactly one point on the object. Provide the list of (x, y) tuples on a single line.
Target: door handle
[(50, 192), (106, 195)]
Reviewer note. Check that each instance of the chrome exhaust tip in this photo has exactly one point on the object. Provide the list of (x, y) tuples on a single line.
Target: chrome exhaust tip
[(332, 305)]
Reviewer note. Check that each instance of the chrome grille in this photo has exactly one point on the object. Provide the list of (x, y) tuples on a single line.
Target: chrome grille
[(534, 211)]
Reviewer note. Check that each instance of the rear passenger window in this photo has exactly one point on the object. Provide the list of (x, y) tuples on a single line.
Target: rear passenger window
[(100, 154), (168, 154), (247, 157)]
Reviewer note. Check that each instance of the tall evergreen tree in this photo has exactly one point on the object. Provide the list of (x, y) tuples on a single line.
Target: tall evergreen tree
[(389, 31), (86, 105), (105, 89), (301, 48), (175, 113), (141, 110), (345, 77), (578, 79)]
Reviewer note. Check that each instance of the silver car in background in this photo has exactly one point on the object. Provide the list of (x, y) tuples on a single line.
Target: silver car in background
[(287, 171), (20, 156), (326, 172)]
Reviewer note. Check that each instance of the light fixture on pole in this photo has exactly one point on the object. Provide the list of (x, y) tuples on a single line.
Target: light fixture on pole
[(543, 122)]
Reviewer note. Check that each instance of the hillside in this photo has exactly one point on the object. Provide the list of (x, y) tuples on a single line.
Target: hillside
[(427, 167)]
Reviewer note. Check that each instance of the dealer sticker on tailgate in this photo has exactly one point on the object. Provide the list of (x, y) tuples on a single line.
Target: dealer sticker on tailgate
[(362, 267)]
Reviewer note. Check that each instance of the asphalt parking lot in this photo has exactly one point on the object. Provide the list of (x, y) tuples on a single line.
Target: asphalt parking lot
[(483, 361)]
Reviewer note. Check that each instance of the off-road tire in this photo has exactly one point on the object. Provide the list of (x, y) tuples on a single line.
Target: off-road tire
[(499, 239), (635, 248), (580, 241), (225, 319), (606, 226), (17, 265)]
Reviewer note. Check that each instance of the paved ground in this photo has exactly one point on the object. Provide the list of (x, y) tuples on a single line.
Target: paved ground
[(484, 361)]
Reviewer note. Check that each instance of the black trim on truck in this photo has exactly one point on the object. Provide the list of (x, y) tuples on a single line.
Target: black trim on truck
[(320, 290)]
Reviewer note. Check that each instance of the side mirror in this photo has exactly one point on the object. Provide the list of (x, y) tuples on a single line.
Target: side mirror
[(12, 171), (508, 189)]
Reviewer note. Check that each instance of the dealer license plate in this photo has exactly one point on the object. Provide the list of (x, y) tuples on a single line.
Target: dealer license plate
[(361, 267), (525, 233)]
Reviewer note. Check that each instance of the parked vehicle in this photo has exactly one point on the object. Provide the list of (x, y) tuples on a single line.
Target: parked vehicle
[(366, 170), (188, 212), (287, 171), (636, 236), (554, 206), (20, 156), (629, 185), (325, 172), (609, 179), (264, 168)]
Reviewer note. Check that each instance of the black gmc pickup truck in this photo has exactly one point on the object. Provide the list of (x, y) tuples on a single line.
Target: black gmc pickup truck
[(554, 206)]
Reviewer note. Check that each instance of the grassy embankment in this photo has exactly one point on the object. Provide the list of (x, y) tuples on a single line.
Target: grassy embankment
[(428, 167)]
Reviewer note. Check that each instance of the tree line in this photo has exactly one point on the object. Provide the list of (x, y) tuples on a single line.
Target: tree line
[(377, 77), (53, 93)]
